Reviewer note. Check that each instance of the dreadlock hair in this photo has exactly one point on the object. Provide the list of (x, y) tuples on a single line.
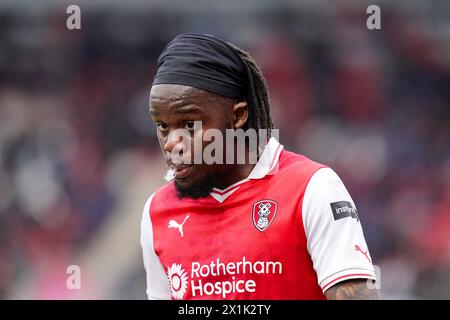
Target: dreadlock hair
[(257, 96)]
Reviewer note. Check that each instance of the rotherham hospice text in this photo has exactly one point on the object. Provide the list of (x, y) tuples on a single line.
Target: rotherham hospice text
[(217, 268)]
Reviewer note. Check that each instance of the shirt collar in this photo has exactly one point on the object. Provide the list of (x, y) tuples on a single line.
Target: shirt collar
[(266, 165), (268, 162)]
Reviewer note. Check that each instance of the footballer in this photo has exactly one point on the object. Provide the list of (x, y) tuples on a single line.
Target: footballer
[(280, 227)]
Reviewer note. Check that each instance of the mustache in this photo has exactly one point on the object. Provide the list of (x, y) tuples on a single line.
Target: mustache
[(169, 175)]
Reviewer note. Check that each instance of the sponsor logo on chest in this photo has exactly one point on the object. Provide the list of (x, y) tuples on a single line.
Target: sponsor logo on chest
[(219, 278)]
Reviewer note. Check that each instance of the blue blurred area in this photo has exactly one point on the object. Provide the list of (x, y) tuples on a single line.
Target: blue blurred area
[(78, 154)]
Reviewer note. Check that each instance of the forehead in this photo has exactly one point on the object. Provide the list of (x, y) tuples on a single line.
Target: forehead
[(174, 92), (172, 97)]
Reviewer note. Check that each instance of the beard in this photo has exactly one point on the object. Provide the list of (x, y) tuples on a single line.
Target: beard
[(200, 189)]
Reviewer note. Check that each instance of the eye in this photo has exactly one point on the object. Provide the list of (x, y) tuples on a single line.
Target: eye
[(189, 125), (162, 126)]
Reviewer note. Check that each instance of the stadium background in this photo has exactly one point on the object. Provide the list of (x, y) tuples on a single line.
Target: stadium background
[(78, 154)]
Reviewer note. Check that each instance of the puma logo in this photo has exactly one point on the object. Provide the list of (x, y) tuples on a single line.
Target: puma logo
[(365, 253), (176, 225)]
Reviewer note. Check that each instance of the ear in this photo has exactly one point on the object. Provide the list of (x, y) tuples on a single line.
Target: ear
[(240, 114)]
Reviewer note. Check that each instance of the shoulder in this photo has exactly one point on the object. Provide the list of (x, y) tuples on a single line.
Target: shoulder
[(326, 185), (326, 191), (327, 203), (165, 201), (158, 201), (166, 190), (164, 195), (295, 161), (297, 167), (326, 177)]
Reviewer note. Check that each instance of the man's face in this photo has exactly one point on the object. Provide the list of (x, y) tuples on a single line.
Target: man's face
[(177, 107)]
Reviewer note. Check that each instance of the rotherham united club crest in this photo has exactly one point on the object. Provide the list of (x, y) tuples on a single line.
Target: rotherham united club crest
[(263, 213)]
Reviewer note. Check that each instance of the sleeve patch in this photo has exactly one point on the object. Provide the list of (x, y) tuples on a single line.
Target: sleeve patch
[(343, 209)]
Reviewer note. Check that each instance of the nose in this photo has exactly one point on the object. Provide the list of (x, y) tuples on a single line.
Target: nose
[(170, 142), (176, 139)]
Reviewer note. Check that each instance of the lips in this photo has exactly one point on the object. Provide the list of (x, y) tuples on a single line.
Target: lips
[(181, 171)]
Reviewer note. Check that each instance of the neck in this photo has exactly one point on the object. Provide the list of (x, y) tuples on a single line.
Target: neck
[(234, 174)]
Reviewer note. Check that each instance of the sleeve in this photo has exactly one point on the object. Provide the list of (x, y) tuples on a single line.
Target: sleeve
[(335, 239), (157, 282)]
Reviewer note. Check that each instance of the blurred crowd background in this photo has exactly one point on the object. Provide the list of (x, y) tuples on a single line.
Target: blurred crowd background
[(79, 157)]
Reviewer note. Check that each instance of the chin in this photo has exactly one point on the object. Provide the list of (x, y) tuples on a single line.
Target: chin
[(194, 189)]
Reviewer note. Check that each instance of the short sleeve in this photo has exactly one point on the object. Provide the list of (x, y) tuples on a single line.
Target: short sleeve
[(335, 239), (157, 282)]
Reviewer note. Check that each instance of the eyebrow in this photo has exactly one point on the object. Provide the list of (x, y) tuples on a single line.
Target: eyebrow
[(188, 109), (185, 109), (153, 112)]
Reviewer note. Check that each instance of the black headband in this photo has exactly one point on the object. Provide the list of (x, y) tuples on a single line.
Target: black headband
[(204, 62)]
